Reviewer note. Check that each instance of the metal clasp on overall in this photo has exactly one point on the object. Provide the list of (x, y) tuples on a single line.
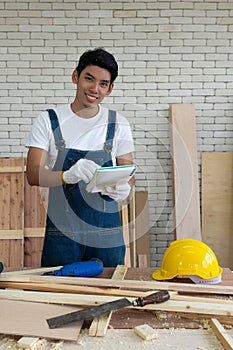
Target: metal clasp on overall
[(60, 145), (108, 146)]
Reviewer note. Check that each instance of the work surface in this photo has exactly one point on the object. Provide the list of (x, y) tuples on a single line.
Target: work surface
[(174, 330), (130, 318)]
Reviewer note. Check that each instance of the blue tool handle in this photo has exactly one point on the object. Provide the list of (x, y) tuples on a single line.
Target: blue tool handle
[(89, 268)]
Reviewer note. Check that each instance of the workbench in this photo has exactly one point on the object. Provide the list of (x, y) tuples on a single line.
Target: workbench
[(123, 322)]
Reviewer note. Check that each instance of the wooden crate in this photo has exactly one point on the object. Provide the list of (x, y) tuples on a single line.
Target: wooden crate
[(23, 213)]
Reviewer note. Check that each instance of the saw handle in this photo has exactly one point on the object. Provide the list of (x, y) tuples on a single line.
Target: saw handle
[(155, 298)]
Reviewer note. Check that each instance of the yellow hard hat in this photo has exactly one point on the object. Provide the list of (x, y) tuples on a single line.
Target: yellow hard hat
[(189, 257)]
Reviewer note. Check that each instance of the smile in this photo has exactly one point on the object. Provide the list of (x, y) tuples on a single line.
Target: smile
[(91, 98)]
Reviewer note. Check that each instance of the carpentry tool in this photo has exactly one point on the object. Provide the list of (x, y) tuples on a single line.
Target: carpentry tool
[(1, 267), (59, 321), (88, 268)]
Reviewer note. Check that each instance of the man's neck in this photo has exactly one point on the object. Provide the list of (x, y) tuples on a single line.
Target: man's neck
[(86, 112)]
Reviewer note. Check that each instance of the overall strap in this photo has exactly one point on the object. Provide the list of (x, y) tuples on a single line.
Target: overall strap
[(59, 141), (110, 131)]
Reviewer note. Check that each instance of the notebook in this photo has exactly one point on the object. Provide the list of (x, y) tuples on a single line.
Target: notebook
[(110, 176)]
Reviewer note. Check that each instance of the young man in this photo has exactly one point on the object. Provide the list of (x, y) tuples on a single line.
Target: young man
[(66, 145)]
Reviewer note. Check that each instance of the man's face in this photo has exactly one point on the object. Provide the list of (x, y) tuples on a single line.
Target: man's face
[(93, 85)]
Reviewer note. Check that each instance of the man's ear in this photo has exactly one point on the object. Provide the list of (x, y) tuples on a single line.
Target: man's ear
[(75, 77), (111, 86)]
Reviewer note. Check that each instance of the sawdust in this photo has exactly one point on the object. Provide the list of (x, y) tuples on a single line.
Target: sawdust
[(121, 339)]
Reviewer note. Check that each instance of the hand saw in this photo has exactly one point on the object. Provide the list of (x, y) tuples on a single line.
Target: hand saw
[(59, 321)]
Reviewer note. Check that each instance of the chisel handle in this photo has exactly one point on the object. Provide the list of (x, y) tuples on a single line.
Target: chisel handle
[(155, 298)]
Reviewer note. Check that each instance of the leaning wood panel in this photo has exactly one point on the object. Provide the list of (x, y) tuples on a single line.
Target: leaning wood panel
[(217, 204), (185, 172), (125, 226), (35, 204), (11, 212), (142, 227), (132, 227)]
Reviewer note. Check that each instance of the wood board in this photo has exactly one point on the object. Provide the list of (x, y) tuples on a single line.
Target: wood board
[(11, 212), (181, 313), (186, 196), (99, 325), (29, 319), (217, 204), (142, 226), (23, 213), (131, 281), (35, 206)]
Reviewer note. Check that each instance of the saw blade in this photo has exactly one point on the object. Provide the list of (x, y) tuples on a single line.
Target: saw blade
[(90, 312)]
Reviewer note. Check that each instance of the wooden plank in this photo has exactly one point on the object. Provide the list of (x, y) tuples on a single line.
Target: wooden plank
[(189, 305), (11, 169), (64, 288), (5, 214), (16, 217), (186, 199), (217, 204), (132, 227), (11, 234), (225, 338), (40, 271), (16, 318), (142, 260), (11, 211), (35, 206), (208, 309), (100, 324), (34, 232), (66, 298), (110, 283), (125, 226), (142, 225), (87, 298)]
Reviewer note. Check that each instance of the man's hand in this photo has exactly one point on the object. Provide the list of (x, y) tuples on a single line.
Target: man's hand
[(118, 193), (82, 170)]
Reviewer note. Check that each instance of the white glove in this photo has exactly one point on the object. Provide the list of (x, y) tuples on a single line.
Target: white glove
[(118, 193), (82, 170)]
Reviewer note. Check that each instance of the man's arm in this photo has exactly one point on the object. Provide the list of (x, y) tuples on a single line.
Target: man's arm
[(126, 159), (37, 173)]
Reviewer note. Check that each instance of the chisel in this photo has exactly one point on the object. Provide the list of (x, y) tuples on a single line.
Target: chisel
[(59, 321)]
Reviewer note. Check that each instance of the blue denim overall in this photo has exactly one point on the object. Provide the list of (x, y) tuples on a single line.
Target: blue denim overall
[(82, 225)]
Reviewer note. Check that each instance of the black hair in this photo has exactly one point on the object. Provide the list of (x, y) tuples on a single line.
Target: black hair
[(98, 57)]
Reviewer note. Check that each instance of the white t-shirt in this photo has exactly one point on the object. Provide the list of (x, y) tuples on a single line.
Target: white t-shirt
[(80, 133)]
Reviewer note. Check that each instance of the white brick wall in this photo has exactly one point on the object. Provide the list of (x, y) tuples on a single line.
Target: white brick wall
[(168, 51)]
